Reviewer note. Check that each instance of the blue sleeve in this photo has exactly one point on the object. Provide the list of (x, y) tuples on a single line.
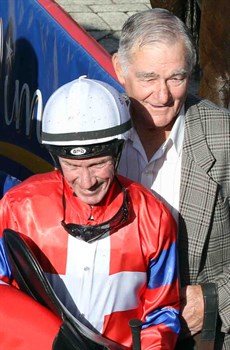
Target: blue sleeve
[(5, 271), (6, 182)]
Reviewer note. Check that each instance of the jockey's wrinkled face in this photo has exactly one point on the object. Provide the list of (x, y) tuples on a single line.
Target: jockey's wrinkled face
[(90, 178)]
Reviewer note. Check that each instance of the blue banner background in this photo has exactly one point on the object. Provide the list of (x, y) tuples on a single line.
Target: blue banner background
[(37, 56)]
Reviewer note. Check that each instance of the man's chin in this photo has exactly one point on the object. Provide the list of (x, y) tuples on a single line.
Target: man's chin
[(90, 199)]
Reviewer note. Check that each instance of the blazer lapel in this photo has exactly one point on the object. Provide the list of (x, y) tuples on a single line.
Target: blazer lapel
[(197, 196)]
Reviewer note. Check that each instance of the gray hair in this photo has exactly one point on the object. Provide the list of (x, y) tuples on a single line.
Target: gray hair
[(149, 27)]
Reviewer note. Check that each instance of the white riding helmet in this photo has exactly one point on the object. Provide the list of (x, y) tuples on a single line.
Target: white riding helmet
[(83, 118)]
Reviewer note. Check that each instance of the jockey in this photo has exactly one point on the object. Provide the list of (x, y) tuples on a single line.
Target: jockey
[(105, 243)]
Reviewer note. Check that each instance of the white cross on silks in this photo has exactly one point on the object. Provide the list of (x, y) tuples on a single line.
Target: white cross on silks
[(87, 279)]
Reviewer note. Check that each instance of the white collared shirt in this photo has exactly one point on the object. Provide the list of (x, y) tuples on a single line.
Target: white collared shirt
[(162, 173)]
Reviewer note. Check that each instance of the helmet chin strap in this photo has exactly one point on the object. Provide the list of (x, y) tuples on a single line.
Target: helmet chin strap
[(56, 161), (117, 157)]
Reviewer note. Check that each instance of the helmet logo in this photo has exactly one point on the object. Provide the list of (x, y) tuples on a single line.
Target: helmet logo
[(78, 151)]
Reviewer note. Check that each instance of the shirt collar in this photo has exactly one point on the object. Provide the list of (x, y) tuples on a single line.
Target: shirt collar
[(176, 135)]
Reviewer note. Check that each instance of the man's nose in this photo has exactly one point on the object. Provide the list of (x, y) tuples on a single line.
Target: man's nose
[(163, 93), (86, 178)]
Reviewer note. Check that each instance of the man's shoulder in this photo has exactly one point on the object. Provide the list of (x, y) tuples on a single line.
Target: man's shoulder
[(37, 183), (138, 191), (144, 202), (130, 184), (204, 106)]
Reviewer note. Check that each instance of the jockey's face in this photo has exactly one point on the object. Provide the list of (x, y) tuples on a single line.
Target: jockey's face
[(91, 178)]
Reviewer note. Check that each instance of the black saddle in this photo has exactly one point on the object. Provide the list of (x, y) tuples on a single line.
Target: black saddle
[(27, 272)]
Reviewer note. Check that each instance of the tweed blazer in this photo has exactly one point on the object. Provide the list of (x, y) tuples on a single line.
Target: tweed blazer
[(204, 222)]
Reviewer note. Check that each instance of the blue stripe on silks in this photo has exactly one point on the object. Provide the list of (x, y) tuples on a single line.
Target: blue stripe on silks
[(5, 270), (167, 316), (163, 271)]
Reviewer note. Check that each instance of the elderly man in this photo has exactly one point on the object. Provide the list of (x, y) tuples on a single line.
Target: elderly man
[(180, 149)]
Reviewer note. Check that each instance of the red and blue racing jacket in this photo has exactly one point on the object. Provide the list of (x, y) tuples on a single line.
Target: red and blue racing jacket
[(129, 273)]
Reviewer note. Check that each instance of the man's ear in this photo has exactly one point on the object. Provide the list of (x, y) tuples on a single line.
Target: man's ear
[(117, 68)]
